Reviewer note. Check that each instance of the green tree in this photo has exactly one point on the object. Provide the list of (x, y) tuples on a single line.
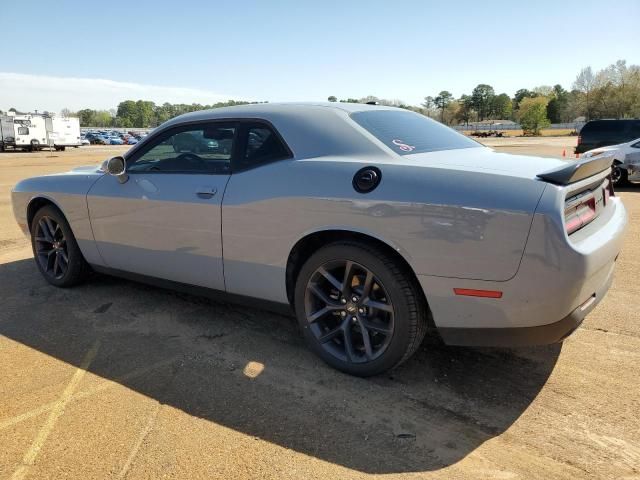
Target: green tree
[(501, 107), (465, 109), (442, 101), (558, 104), (332, 98), (482, 99), (126, 113), (144, 114), (520, 94), (533, 115)]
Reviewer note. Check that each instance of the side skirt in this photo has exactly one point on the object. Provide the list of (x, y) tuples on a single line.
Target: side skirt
[(217, 295)]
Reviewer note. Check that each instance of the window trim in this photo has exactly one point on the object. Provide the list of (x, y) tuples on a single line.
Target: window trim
[(245, 126), (163, 134)]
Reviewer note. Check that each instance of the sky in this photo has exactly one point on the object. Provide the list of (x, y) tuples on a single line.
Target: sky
[(74, 54)]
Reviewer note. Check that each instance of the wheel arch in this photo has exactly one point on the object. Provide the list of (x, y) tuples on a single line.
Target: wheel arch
[(313, 241), (36, 203)]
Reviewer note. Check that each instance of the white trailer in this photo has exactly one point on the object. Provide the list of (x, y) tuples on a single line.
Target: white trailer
[(36, 131), (66, 132), (31, 131)]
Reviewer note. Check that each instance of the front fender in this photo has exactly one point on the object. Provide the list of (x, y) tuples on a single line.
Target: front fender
[(68, 192)]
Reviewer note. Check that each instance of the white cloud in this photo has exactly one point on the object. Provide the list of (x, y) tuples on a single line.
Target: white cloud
[(39, 92)]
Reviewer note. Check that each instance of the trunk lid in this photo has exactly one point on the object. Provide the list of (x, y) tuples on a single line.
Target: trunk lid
[(483, 159)]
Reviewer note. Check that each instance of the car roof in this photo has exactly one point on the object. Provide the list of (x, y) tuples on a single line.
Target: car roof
[(266, 109), (310, 129)]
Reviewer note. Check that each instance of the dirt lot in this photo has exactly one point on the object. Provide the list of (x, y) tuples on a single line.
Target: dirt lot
[(115, 379)]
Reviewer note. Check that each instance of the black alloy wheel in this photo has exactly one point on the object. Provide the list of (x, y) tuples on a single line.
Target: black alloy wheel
[(359, 307), (56, 250), (349, 311), (51, 248)]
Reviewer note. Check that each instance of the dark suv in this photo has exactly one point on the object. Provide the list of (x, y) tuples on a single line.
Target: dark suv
[(602, 133)]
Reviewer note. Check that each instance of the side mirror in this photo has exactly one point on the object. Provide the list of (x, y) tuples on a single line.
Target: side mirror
[(117, 166)]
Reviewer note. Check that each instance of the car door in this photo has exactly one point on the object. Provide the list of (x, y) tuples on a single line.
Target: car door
[(164, 221), (255, 213)]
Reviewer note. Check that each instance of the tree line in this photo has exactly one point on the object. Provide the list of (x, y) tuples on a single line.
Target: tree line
[(613, 92), (141, 113)]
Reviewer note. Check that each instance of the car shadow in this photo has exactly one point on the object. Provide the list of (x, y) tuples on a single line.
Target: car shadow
[(250, 371)]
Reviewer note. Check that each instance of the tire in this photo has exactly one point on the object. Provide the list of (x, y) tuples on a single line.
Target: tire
[(619, 176), (43, 240), (395, 327)]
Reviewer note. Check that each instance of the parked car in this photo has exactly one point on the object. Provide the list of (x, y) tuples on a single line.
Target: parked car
[(602, 133), (98, 140), (626, 160), (131, 140), (115, 141), (84, 141), (484, 247)]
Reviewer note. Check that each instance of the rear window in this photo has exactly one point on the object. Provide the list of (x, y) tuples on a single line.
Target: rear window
[(408, 132)]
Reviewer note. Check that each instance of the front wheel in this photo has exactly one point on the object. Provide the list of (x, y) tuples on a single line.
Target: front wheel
[(619, 175), (358, 309), (55, 249)]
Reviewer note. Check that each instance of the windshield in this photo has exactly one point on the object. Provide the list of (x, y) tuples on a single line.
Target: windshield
[(409, 132)]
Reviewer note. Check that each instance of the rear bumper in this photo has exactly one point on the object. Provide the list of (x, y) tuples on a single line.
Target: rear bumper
[(559, 281), (525, 336)]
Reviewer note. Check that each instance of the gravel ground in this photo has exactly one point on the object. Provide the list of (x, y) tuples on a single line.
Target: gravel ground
[(115, 379)]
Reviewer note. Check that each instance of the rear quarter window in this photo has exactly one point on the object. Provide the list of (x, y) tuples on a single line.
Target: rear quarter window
[(407, 133)]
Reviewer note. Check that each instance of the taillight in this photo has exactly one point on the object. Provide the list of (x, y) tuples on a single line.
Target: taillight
[(579, 211)]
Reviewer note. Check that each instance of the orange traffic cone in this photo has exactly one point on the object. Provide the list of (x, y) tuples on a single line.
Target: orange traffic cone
[(564, 152)]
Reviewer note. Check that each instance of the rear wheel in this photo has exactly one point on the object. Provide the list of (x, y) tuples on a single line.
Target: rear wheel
[(359, 310), (55, 249), (619, 175)]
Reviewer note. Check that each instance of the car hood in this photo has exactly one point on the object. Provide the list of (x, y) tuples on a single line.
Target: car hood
[(487, 160), (87, 169)]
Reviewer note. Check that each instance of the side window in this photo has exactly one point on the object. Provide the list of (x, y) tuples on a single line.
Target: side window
[(23, 131), (204, 148), (263, 146)]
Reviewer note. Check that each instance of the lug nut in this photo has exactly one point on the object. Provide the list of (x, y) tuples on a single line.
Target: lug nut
[(343, 300), (361, 310), (343, 314), (354, 319), (354, 299)]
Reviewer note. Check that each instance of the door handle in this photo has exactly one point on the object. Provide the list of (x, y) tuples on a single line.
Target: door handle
[(206, 192)]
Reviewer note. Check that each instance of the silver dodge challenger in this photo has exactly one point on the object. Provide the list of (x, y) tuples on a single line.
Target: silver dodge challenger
[(372, 224)]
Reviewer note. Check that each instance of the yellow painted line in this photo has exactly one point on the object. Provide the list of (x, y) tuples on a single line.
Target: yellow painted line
[(56, 412), (138, 444), (84, 394)]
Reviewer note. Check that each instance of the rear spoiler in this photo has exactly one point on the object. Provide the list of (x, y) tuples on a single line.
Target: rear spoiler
[(576, 171)]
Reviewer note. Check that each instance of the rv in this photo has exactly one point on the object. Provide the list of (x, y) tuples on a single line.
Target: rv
[(36, 131), (66, 132), (7, 133), (31, 131)]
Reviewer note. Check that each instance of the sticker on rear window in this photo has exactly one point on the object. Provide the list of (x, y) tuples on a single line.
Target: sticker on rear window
[(402, 146)]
